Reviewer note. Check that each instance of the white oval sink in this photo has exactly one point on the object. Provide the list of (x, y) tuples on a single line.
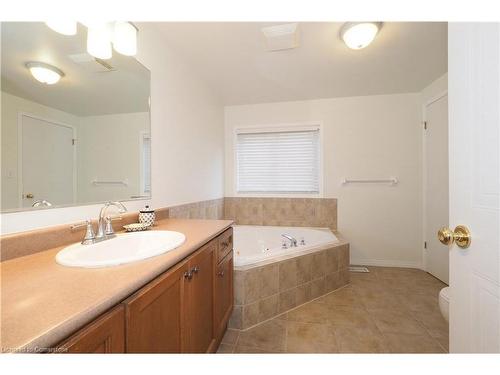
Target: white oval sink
[(124, 248)]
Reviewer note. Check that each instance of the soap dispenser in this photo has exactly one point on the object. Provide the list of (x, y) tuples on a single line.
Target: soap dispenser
[(147, 216)]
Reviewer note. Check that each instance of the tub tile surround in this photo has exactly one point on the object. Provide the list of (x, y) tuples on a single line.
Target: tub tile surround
[(299, 212), (263, 292), (345, 321), (208, 210)]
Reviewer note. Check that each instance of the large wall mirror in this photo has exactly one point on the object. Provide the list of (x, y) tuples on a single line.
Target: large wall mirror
[(82, 140)]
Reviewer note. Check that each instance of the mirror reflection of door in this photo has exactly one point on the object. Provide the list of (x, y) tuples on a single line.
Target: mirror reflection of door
[(436, 185), (47, 159)]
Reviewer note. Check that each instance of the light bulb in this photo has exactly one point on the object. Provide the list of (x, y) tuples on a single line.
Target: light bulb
[(99, 41), (44, 73), (125, 38), (63, 27), (359, 35)]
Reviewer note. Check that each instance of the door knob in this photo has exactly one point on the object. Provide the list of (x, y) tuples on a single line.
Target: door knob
[(461, 236)]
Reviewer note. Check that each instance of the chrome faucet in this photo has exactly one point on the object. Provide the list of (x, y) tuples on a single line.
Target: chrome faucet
[(104, 224), (41, 203), (104, 227), (293, 241)]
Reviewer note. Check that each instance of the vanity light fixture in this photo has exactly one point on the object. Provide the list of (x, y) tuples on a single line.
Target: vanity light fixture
[(358, 35), (44, 73), (99, 40), (125, 38), (103, 37), (62, 26)]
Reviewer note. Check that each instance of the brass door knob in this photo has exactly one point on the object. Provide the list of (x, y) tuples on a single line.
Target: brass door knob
[(461, 236)]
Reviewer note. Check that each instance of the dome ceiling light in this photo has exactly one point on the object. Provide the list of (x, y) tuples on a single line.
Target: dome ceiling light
[(44, 73), (358, 35)]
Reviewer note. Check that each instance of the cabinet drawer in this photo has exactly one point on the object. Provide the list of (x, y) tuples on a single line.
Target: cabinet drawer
[(225, 244)]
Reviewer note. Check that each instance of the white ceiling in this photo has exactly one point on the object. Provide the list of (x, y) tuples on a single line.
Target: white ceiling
[(80, 92), (232, 58)]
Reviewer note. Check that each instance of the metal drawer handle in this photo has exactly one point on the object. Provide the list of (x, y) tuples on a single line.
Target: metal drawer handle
[(188, 275), (195, 269), (220, 274)]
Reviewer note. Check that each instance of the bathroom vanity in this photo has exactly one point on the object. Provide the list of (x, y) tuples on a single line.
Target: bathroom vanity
[(178, 302), (184, 310)]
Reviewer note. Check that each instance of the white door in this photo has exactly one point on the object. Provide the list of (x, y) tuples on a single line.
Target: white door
[(47, 161), (436, 185), (474, 96)]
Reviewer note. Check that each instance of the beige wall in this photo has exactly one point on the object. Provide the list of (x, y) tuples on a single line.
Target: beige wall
[(187, 127), (108, 148), (11, 107), (434, 89), (363, 137)]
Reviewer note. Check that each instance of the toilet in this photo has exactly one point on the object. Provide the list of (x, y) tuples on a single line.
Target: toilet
[(444, 302)]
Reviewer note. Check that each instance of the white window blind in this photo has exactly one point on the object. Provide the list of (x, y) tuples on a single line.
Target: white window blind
[(146, 163), (278, 162)]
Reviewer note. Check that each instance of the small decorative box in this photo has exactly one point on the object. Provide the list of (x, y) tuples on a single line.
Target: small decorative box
[(147, 216)]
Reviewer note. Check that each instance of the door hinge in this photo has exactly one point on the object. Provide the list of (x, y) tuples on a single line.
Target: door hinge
[(425, 244), (425, 125), (73, 141)]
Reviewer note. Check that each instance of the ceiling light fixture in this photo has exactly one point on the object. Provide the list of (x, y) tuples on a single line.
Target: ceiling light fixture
[(125, 38), (99, 41), (63, 27), (358, 35), (44, 73)]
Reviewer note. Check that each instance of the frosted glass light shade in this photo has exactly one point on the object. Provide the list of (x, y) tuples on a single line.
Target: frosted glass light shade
[(45, 73), (63, 27), (99, 41), (359, 35), (125, 38)]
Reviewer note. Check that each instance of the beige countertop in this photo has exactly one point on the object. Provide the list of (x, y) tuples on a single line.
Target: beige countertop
[(43, 302)]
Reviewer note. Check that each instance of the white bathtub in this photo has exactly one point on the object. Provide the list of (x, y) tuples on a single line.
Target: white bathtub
[(258, 245)]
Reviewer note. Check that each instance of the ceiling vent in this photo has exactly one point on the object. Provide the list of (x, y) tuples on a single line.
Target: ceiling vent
[(91, 63), (281, 37)]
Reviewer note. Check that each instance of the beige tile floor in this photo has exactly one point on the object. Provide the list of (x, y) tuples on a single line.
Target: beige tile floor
[(389, 310)]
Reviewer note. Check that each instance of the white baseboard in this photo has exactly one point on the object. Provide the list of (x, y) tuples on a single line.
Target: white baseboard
[(386, 263)]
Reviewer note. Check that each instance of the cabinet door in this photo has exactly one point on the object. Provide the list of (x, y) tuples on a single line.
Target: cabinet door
[(223, 296), (155, 315), (200, 300), (104, 335)]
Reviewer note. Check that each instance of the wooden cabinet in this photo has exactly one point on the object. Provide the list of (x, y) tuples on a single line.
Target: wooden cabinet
[(223, 295), (184, 310), (200, 302), (154, 316), (104, 335)]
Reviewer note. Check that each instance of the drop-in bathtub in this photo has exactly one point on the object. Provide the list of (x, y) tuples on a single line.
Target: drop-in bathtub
[(258, 245), (270, 280)]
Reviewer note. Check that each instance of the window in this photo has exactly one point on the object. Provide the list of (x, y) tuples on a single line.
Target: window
[(284, 161), (145, 163)]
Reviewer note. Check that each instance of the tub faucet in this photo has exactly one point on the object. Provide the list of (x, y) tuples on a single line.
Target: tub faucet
[(293, 241)]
